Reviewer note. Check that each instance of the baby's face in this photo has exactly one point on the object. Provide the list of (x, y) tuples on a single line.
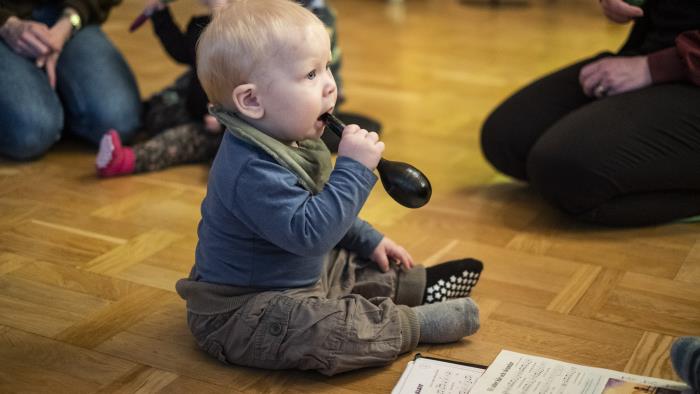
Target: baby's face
[(297, 86)]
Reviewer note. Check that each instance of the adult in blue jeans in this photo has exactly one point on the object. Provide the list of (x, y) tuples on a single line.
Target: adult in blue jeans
[(60, 72)]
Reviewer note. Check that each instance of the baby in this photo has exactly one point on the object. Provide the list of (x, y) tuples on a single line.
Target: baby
[(286, 275)]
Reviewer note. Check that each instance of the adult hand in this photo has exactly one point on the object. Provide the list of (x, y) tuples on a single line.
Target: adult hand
[(59, 33), (615, 75), (27, 38), (361, 145), (388, 249), (620, 12)]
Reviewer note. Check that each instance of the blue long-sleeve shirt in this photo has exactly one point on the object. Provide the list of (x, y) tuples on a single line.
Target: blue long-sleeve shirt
[(261, 229)]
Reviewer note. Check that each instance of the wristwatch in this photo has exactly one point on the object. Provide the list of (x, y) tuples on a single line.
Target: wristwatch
[(73, 18)]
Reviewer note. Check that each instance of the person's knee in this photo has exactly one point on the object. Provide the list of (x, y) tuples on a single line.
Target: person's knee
[(122, 114), (29, 135), (566, 180), (497, 145), (98, 103)]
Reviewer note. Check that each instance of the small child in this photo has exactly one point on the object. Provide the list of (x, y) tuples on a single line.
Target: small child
[(286, 275), (186, 132)]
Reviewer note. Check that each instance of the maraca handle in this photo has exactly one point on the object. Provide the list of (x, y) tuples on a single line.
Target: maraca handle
[(406, 184), (337, 126), (334, 124)]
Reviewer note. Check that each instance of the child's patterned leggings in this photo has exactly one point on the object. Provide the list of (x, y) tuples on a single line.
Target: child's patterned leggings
[(186, 143)]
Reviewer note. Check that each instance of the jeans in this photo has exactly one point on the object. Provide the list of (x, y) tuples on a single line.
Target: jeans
[(685, 356), (95, 91)]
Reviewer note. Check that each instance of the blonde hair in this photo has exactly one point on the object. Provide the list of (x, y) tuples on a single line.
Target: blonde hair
[(240, 37)]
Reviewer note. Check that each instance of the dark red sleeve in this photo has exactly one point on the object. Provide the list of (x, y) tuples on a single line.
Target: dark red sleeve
[(681, 62)]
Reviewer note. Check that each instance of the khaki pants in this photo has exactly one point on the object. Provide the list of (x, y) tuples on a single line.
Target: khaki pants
[(355, 316)]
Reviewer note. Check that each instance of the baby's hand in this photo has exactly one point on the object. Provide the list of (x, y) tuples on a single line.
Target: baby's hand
[(360, 145), (211, 124), (388, 249)]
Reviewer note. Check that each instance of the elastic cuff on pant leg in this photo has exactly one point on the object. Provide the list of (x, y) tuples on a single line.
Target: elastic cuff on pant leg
[(410, 328), (410, 286)]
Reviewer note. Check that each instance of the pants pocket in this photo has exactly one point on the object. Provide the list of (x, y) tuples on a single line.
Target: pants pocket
[(272, 329)]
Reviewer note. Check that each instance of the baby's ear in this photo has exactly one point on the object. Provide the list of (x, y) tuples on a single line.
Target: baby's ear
[(245, 98)]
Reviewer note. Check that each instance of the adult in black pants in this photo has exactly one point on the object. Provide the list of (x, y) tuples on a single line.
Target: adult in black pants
[(613, 139)]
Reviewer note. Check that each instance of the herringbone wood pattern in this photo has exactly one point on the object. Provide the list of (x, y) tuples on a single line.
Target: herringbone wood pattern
[(87, 266)]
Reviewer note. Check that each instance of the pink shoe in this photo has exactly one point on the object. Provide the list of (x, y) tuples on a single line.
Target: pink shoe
[(113, 159)]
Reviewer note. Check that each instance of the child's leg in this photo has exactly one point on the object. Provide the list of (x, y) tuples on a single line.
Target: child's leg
[(167, 108), (447, 321), (442, 282), (305, 329), (299, 329), (186, 143), (346, 273), (439, 323)]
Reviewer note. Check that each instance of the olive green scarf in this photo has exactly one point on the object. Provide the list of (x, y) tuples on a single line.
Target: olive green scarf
[(311, 161)]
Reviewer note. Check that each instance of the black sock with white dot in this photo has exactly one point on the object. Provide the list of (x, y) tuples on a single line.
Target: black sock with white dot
[(452, 279)]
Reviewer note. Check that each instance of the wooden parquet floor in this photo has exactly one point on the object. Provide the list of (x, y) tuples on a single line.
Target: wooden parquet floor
[(87, 266)]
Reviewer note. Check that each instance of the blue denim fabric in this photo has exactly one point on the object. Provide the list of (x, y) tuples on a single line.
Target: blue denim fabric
[(95, 91), (685, 356)]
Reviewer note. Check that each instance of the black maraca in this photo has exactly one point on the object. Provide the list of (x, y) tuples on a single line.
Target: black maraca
[(403, 182)]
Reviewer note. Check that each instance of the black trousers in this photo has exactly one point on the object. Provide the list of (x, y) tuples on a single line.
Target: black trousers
[(626, 160)]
